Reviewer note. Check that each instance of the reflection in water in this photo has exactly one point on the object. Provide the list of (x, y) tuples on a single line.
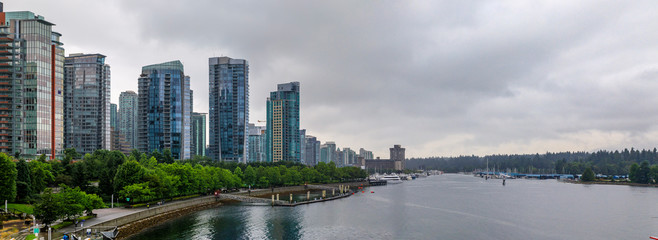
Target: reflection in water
[(440, 207), (283, 223)]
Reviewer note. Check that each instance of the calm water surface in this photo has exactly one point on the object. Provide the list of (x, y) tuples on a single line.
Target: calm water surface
[(439, 207)]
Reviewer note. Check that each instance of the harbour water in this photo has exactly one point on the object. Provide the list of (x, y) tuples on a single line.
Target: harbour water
[(449, 206)]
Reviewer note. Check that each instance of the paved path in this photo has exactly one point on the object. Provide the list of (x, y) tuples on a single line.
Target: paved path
[(103, 215)]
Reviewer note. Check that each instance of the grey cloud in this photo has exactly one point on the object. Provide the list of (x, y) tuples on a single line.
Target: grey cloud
[(439, 77)]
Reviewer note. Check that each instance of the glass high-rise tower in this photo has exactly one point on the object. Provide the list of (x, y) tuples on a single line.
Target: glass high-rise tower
[(198, 134), (164, 109), (87, 103), (31, 86), (229, 109), (283, 141), (128, 117), (114, 116)]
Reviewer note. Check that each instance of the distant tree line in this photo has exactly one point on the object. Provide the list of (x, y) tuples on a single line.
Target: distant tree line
[(600, 162)]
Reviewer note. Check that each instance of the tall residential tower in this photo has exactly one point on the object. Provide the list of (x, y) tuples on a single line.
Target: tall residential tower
[(87, 103), (283, 141), (128, 117), (163, 120), (198, 143), (31, 86), (229, 109)]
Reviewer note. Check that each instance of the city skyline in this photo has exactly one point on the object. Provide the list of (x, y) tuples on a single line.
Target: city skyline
[(465, 80)]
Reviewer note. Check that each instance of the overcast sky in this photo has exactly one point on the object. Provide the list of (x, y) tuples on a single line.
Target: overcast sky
[(441, 78)]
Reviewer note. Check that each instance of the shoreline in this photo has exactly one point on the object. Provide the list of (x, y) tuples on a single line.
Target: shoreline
[(613, 183), (132, 228)]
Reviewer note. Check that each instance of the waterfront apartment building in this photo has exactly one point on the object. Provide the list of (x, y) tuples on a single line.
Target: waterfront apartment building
[(312, 151), (365, 154), (349, 157), (163, 115), (256, 143), (328, 152), (31, 86), (302, 146), (128, 117), (283, 124), (114, 116), (198, 134), (229, 109), (87, 103)]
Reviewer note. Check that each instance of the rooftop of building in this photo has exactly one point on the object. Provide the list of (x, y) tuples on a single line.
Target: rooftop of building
[(226, 60), (172, 65)]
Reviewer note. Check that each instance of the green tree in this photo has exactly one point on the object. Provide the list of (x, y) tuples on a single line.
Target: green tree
[(23, 181), (108, 171), (157, 156), (79, 175), (643, 172), (588, 175), (166, 156), (42, 158), (92, 202), (250, 176), (127, 174), (135, 154), (633, 172), (140, 192), (49, 209), (41, 175), (73, 201), (238, 173), (71, 154), (8, 176)]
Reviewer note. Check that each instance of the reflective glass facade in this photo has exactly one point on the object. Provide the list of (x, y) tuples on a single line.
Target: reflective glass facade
[(312, 151), (198, 134), (114, 116), (164, 109), (35, 58), (283, 141), (87, 103), (256, 143), (128, 117), (229, 109)]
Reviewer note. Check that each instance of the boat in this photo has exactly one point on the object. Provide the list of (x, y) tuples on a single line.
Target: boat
[(391, 179)]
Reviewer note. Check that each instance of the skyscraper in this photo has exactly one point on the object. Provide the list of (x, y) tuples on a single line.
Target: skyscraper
[(256, 143), (87, 103), (229, 109), (302, 146), (128, 117), (328, 152), (283, 124), (114, 116), (198, 143), (312, 151), (31, 85), (163, 120)]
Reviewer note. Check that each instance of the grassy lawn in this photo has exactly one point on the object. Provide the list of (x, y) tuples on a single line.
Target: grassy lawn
[(62, 224), (26, 208), (30, 237)]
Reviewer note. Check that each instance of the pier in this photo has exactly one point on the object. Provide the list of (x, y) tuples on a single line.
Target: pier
[(329, 193)]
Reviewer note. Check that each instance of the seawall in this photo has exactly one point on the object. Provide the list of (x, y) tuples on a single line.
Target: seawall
[(133, 223)]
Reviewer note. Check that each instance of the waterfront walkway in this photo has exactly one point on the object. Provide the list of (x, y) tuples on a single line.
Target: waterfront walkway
[(109, 218)]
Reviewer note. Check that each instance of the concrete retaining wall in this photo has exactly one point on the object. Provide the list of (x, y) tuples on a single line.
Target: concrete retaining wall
[(168, 207)]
